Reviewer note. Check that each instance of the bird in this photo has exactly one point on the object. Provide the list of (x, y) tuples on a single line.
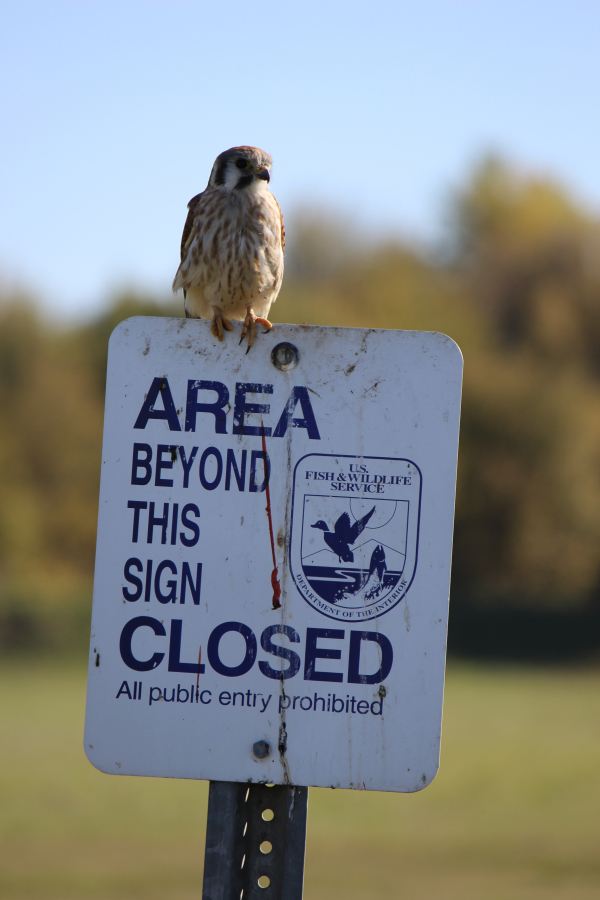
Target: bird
[(343, 534), (232, 245)]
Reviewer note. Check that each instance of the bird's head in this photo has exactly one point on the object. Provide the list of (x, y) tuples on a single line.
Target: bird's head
[(320, 524), (241, 168)]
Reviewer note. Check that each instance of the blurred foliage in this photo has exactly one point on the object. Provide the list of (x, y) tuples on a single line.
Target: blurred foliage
[(51, 413), (519, 292)]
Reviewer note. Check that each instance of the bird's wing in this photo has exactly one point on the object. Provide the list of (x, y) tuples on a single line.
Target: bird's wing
[(189, 222), (201, 216), (342, 526), (359, 526), (282, 225)]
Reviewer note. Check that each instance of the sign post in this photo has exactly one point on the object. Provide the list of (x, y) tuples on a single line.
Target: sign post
[(272, 574), (255, 839)]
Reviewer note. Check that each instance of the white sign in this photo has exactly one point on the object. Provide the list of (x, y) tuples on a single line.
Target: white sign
[(273, 558)]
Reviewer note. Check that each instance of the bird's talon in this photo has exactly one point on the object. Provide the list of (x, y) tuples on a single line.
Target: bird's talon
[(219, 322), (262, 321), (249, 326)]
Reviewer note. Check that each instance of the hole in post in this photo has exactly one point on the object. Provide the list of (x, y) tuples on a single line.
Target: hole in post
[(268, 815), (266, 847), (264, 881)]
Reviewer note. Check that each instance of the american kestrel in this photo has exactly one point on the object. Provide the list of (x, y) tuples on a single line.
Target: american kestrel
[(232, 245)]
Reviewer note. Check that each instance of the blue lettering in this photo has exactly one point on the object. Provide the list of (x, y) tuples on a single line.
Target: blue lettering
[(387, 657), (299, 395), (158, 386), (186, 579), (282, 652), (171, 584), (125, 643), (217, 409), (213, 649), (242, 408), (210, 485), (190, 509), (313, 653), (133, 579), (137, 464), (175, 664)]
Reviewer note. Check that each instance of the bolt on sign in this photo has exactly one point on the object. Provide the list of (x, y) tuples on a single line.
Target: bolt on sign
[(273, 559)]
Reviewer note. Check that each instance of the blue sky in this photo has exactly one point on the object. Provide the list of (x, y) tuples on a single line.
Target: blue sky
[(113, 112)]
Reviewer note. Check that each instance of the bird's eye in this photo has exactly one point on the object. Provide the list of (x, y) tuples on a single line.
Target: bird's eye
[(241, 163)]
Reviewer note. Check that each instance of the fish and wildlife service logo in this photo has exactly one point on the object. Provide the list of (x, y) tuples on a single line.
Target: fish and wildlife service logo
[(355, 533)]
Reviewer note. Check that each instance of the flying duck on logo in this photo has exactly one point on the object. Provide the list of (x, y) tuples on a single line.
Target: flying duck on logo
[(343, 535), (354, 556)]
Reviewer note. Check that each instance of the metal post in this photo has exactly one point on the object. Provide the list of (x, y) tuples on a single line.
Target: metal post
[(250, 853)]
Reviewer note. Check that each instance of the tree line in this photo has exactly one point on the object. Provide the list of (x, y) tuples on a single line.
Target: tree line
[(516, 284)]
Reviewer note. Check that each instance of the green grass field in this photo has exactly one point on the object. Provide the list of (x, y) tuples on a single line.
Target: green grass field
[(513, 813)]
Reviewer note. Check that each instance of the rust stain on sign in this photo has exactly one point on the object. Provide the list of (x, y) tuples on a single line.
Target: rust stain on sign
[(274, 574)]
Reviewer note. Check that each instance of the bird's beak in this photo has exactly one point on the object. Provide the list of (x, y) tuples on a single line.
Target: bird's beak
[(263, 174)]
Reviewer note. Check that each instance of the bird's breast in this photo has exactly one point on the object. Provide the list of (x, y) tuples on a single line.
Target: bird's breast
[(234, 258)]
